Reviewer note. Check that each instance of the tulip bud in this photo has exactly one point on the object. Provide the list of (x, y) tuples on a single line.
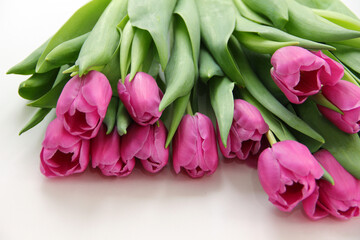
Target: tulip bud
[(141, 98), (63, 154), (83, 103), (287, 172), (300, 73), (341, 200), (345, 96), (146, 143), (105, 154), (246, 131), (194, 146)]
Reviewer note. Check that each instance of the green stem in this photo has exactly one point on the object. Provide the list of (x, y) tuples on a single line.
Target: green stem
[(271, 138), (189, 109)]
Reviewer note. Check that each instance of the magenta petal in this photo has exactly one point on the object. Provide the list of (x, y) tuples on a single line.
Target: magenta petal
[(141, 97), (300, 73), (83, 103), (305, 162), (335, 72), (288, 60), (62, 154), (184, 143), (194, 146), (269, 172), (160, 154), (56, 136), (134, 140), (311, 208), (209, 147), (69, 93)]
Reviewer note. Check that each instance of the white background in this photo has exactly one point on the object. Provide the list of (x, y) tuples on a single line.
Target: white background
[(228, 205)]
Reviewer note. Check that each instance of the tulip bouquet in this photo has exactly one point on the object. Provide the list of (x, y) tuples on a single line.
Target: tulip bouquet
[(278, 80)]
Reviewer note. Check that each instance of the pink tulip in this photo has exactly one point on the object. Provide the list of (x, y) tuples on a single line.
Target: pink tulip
[(105, 154), (146, 143), (300, 73), (83, 103), (341, 200), (287, 172), (246, 131), (141, 98), (194, 146), (346, 96), (63, 154)]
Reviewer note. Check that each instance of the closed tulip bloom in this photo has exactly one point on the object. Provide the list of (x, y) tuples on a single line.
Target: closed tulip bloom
[(105, 154), (146, 143), (63, 154), (287, 172), (83, 103), (341, 200), (141, 98), (246, 131), (346, 96), (194, 146), (300, 73)]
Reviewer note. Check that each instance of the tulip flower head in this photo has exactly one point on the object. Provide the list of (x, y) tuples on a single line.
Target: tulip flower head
[(141, 98), (194, 146), (246, 131), (146, 143), (300, 73), (105, 154), (346, 96), (63, 154), (287, 172), (341, 200), (83, 103)]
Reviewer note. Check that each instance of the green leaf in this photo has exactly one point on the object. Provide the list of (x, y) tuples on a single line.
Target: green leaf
[(100, 46), (81, 22), (275, 125), (110, 117), (139, 49), (208, 67), (261, 65), (66, 52), (187, 10), (180, 71), (261, 94), (123, 119), (112, 72), (28, 65), (344, 147), (348, 55), (49, 100), (339, 19), (245, 11), (259, 44), (222, 101), (332, 5), (36, 119), (156, 21), (275, 10), (180, 105), (216, 29), (125, 46), (303, 22), (274, 34), (37, 85)]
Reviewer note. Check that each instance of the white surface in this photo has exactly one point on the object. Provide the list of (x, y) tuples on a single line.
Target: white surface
[(228, 205)]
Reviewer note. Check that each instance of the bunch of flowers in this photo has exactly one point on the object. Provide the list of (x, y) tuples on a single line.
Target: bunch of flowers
[(130, 77)]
